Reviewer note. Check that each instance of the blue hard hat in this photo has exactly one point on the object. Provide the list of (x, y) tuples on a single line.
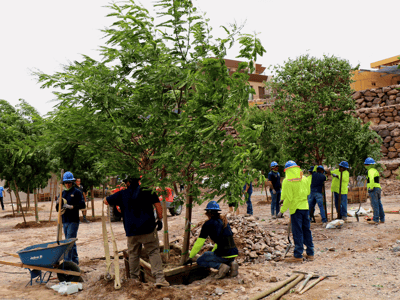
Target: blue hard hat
[(213, 205), (274, 164), (344, 164), (320, 167), (68, 176), (311, 169), (290, 164), (369, 161)]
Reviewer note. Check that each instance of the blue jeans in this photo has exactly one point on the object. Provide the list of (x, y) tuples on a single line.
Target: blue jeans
[(343, 204), (249, 204), (210, 260), (275, 199), (71, 231), (302, 233), (376, 204), (317, 198)]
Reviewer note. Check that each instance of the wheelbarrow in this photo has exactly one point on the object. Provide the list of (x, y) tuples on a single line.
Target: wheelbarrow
[(48, 257)]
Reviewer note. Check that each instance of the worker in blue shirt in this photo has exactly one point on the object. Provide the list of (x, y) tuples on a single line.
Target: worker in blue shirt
[(274, 181), (1, 197), (317, 182)]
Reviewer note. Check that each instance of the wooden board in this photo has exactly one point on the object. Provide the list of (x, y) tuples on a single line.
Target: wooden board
[(21, 265)]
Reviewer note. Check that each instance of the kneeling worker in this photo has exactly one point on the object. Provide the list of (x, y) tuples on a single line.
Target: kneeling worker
[(295, 189), (222, 257), (136, 205)]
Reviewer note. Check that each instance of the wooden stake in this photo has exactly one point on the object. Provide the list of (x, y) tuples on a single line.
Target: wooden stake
[(271, 290), (288, 287), (28, 204), (60, 205), (53, 196), (188, 222)]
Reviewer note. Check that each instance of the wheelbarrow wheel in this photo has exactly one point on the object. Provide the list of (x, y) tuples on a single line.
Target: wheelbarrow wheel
[(69, 266)]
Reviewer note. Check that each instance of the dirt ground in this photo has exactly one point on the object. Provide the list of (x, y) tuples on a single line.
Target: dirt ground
[(360, 254)]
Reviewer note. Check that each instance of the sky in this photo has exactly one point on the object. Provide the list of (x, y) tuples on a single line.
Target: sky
[(46, 34)]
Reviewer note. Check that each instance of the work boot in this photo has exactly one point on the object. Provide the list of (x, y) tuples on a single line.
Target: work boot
[(373, 222), (324, 224), (273, 217), (382, 222), (162, 283), (293, 260), (85, 220), (310, 257), (222, 271), (345, 219), (234, 271)]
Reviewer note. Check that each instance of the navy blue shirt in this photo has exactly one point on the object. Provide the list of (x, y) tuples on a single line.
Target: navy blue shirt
[(317, 182), (214, 229), (275, 178), (74, 197), (137, 210)]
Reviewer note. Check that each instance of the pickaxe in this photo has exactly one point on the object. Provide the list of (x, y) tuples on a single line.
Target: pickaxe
[(315, 282), (308, 277)]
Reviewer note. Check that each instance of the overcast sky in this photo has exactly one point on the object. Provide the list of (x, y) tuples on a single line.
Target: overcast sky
[(44, 34)]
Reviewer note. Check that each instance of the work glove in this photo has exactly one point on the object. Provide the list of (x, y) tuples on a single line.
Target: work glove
[(273, 191), (279, 215), (281, 202), (67, 206), (188, 262), (335, 175), (159, 225)]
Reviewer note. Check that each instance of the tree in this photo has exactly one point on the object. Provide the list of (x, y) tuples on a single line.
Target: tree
[(25, 162), (314, 108), (161, 98)]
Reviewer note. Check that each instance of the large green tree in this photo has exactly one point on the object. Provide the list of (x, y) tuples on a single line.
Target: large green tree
[(161, 98), (314, 108)]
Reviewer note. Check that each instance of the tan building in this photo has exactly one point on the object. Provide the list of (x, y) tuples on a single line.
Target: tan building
[(256, 79), (385, 73)]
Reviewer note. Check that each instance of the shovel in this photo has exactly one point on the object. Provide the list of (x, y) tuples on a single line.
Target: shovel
[(288, 237), (107, 276)]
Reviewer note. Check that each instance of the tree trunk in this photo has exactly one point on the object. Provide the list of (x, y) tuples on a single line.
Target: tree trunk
[(165, 221), (19, 201), (35, 197), (28, 204), (188, 218), (12, 204), (92, 199)]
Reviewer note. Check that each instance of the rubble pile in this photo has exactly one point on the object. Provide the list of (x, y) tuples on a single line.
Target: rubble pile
[(390, 187), (254, 243)]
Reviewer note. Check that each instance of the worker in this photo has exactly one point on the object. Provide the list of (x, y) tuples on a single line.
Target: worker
[(1, 196), (247, 192), (72, 203), (309, 178), (80, 187), (274, 181), (295, 189), (316, 197), (374, 191), (336, 178), (136, 204), (222, 256)]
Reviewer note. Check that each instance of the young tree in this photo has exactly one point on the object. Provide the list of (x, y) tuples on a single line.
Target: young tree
[(161, 98)]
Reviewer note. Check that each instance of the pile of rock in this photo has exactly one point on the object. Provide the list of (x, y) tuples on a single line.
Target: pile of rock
[(379, 115), (385, 96), (254, 243), (390, 187)]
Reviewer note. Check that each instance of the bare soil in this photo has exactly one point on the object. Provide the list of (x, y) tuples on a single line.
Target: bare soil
[(360, 254)]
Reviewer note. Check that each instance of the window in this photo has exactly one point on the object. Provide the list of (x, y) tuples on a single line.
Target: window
[(373, 83)]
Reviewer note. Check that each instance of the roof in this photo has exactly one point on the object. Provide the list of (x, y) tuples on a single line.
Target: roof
[(386, 62), (386, 70), (230, 63)]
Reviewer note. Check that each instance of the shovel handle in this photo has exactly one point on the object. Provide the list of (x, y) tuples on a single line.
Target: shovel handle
[(312, 284)]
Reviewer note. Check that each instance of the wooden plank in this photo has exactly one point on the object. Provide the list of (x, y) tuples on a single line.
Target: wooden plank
[(21, 265), (12, 254)]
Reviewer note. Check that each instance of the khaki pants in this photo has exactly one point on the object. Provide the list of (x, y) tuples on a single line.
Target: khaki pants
[(152, 247)]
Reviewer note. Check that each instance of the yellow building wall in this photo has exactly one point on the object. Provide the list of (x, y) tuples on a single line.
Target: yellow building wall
[(371, 80)]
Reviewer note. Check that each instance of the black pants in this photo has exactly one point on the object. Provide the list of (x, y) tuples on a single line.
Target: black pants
[(2, 204)]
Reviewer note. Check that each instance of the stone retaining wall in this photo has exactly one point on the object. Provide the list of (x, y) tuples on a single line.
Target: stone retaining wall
[(385, 96)]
